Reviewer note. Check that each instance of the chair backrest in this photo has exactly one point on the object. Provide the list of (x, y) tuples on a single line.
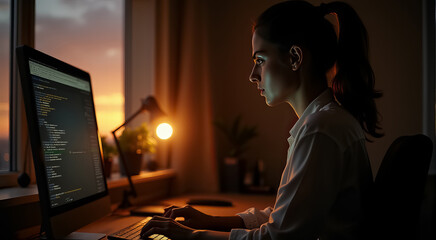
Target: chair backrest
[(399, 187)]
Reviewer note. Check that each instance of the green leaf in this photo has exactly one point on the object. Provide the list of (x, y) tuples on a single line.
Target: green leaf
[(137, 140), (237, 134)]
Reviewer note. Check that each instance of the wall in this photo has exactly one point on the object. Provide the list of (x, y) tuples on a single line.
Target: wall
[(394, 28)]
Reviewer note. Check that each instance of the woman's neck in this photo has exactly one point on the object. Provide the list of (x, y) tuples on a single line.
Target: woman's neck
[(305, 96)]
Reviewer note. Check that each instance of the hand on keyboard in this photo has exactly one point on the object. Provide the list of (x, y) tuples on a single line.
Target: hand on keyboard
[(192, 217), (158, 237), (168, 227), (129, 233), (133, 231)]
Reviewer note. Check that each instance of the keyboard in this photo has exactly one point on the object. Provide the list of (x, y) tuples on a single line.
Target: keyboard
[(133, 232)]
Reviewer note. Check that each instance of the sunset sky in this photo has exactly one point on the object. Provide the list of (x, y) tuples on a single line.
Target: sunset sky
[(85, 33), (89, 35)]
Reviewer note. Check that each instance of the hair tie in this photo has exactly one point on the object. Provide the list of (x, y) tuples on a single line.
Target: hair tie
[(323, 9)]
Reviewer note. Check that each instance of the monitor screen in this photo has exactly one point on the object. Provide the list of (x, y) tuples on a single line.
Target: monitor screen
[(68, 133), (65, 141)]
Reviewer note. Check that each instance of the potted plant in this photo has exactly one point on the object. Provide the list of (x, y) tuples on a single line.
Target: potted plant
[(233, 167), (135, 143), (109, 151)]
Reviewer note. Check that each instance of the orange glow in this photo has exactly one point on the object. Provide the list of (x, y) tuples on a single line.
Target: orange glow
[(330, 75), (4, 119), (111, 121), (334, 20), (4, 126), (164, 131), (109, 111)]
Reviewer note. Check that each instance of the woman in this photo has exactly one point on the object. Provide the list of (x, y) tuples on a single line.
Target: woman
[(324, 187)]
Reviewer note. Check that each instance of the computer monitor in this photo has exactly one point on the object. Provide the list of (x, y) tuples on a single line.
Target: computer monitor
[(65, 143)]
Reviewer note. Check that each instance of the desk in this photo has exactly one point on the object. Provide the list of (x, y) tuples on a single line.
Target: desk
[(117, 221)]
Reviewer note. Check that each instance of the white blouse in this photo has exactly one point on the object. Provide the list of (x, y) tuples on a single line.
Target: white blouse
[(326, 177)]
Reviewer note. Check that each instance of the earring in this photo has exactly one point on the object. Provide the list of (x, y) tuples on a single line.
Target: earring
[(294, 67)]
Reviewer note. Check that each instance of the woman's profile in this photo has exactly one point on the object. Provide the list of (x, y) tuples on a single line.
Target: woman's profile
[(326, 182)]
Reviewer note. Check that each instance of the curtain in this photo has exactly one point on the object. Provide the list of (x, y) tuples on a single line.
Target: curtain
[(182, 87)]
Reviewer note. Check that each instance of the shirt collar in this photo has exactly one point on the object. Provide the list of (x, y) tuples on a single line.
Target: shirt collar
[(323, 99)]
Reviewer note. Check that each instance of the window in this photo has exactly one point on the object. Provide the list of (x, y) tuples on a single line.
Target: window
[(5, 24), (88, 35)]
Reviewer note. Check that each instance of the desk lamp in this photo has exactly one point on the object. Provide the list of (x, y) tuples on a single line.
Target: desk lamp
[(163, 131)]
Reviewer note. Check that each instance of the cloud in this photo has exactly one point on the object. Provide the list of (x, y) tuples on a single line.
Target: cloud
[(65, 24), (4, 4), (113, 52), (5, 10), (96, 47), (5, 24), (75, 10)]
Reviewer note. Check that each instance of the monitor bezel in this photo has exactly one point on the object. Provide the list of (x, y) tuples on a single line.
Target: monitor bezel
[(24, 54)]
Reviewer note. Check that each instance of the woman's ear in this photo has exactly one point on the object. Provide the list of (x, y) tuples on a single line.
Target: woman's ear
[(296, 57)]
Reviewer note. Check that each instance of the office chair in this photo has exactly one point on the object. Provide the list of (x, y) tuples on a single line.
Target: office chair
[(399, 188)]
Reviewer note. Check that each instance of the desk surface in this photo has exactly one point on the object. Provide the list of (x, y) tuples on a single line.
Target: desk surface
[(121, 219)]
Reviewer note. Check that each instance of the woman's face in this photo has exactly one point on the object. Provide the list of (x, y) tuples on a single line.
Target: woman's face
[(272, 72)]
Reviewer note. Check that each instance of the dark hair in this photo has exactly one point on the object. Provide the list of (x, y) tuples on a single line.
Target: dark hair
[(302, 24)]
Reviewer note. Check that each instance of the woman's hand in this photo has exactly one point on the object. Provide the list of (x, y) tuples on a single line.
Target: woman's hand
[(175, 230), (192, 217), (168, 227)]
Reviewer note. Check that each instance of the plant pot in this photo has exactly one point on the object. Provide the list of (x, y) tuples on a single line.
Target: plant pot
[(232, 176), (151, 164), (134, 163)]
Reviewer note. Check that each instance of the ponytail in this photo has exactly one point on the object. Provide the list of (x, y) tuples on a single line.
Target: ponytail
[(353, 85)]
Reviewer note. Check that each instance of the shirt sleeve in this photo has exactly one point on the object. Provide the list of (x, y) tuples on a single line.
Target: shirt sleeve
[(305, 197), (253, 217)]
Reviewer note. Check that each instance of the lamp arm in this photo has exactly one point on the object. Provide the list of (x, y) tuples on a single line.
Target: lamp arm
[(128, 120), (122, 156), (123, 160)]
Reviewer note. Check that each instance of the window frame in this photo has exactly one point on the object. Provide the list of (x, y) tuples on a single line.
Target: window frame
[(22, 32), (139, 18)]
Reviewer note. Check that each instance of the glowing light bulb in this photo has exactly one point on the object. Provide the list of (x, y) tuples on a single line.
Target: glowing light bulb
[(164, 131)]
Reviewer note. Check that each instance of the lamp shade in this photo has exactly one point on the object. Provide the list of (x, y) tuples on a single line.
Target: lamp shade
[(150, 104)]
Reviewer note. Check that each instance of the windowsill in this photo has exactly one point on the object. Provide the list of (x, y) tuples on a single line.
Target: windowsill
[(8, 179), (17, 195), (116, 180), (14, 196)]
